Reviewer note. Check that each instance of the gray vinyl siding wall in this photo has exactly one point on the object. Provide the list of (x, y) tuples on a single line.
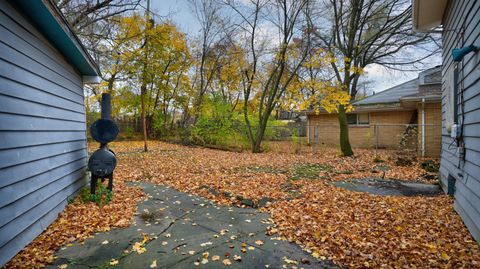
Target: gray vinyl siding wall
[(464, 13), (42, 132)]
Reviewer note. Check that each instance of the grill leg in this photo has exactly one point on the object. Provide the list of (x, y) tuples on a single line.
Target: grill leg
[(93, 184), (110, 182)]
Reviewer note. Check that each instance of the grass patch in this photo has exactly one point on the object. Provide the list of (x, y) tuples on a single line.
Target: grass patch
[(266, 169), (102, 195), (147, 216), (430, 166), (307, 170)]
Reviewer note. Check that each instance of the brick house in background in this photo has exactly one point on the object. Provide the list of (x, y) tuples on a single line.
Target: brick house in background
[(405, 116), (460, 155)]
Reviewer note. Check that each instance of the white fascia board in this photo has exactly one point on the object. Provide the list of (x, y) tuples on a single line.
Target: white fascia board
[(91, 79)]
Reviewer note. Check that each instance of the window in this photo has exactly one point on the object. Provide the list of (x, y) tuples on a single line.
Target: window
[(352, 119), (358, 119), (363, 118)]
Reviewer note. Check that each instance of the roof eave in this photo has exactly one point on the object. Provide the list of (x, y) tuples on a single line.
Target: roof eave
[(366, 108), (426, 98), (427, 14), (50, 21)]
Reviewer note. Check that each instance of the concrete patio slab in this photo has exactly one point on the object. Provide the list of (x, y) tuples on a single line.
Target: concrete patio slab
[(177, 230)]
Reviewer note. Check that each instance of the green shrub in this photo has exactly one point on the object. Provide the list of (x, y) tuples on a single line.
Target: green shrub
[(129, 132), (218, 125), (160, 122), (101, 197), (430, 166)]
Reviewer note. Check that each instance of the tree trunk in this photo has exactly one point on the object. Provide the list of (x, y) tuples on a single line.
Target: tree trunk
[(143, 91), (262, 125), (257, 144), (345, 146)]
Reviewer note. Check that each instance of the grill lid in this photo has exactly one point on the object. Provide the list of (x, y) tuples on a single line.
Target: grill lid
[(102, 162)]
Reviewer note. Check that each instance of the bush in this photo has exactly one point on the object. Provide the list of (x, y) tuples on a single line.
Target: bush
[(129, 132), (218, 126), (102, 196), (430, 166), (160, 122)]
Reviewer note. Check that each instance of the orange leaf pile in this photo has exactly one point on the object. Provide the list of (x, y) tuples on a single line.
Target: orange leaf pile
[(77, 222), (351, 229)]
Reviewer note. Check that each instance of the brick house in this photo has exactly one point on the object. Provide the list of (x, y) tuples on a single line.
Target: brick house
[(405, 116)]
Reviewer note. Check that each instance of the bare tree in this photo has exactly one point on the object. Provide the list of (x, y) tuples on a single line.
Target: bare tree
[(212, 31), (83, 13), (278, 70), (359, 33), (94, 22)]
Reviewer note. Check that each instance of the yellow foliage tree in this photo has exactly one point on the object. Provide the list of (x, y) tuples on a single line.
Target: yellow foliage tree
[(314, 88)]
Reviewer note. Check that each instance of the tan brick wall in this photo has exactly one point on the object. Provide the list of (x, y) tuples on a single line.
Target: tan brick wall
[(390, 132), (433, 129)]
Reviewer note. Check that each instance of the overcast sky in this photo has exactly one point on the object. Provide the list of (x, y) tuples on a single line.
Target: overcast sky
[(180, 12)]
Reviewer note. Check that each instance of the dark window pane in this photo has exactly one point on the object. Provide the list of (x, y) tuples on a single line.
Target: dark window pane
[(352, 118)]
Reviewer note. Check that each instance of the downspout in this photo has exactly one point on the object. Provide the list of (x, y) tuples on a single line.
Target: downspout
[(308, 130), (423, 127)]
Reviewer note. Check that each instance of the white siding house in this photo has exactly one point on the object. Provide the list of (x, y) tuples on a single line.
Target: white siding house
[(459, 22)]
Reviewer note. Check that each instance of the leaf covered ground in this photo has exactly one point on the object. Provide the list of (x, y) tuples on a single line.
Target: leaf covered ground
[(77, 222), (352, 229)]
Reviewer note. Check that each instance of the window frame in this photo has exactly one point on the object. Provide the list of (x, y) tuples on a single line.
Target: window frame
[(357, 119)]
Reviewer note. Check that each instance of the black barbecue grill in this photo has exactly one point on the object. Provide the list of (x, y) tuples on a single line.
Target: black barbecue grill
[(103, 161)]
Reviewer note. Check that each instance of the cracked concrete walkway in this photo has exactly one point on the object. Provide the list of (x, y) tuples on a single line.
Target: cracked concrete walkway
[(180, 229)]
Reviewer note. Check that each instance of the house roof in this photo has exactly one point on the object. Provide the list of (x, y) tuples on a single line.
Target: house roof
[(426, 86), (392, 95), (50, 21)]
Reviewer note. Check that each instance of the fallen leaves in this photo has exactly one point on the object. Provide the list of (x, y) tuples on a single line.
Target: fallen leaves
[(259, 242), (289, 261), (77, 222), (139, 248), (346, 227), (332, 223), (227, 262)]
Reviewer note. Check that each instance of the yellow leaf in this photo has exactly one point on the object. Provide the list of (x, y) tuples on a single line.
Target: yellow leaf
[(227, 262), (445, 256)]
